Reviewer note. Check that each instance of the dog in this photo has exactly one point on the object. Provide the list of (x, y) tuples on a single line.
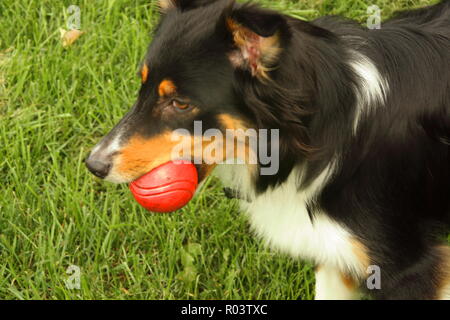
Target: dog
[(363, 183)]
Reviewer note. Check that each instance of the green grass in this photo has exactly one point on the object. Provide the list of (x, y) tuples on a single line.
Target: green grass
[(55, 104)]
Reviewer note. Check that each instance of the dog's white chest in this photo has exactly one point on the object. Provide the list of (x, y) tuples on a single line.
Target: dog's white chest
[(280, 217)]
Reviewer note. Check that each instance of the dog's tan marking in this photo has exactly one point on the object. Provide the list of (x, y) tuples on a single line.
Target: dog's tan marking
[(167, 4), (444, 274), (331, 284), (230, 122), (238, 144), (141, 154), (144, 73), (166, 88), (348, 281), (361, 253)]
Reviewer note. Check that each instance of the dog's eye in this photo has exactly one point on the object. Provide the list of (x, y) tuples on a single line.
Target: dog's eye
[(180, 106)]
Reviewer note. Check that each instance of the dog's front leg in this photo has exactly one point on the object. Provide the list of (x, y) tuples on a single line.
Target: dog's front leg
[(331, 284)]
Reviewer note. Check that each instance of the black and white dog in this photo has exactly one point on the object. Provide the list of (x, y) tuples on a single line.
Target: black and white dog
[(364, 120)]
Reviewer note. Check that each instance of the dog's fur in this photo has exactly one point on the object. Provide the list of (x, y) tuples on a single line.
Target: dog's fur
[(364, 120)]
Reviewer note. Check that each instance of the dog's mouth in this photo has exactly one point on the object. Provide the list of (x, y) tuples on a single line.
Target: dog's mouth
[(203, 171)]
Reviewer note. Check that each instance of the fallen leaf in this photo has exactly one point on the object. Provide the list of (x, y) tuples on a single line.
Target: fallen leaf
[(68, 37)]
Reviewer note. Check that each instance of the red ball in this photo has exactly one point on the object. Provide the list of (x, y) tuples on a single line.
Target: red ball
[(166, 188)]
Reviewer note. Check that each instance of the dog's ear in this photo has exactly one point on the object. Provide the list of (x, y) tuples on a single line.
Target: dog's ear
[(257, 37), (166, 5)]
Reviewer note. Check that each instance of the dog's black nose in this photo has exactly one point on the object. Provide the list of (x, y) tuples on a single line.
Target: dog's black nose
[(99, 167)]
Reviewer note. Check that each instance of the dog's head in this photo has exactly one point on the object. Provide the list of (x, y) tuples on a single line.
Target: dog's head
[(208, 58)]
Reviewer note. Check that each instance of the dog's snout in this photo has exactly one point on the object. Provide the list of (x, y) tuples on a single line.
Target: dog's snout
[(98, 165)]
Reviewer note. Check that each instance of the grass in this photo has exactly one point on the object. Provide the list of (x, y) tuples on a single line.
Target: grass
[(55, 104)]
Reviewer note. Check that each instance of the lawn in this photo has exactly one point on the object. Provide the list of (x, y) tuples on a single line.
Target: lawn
[(55, 104)]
